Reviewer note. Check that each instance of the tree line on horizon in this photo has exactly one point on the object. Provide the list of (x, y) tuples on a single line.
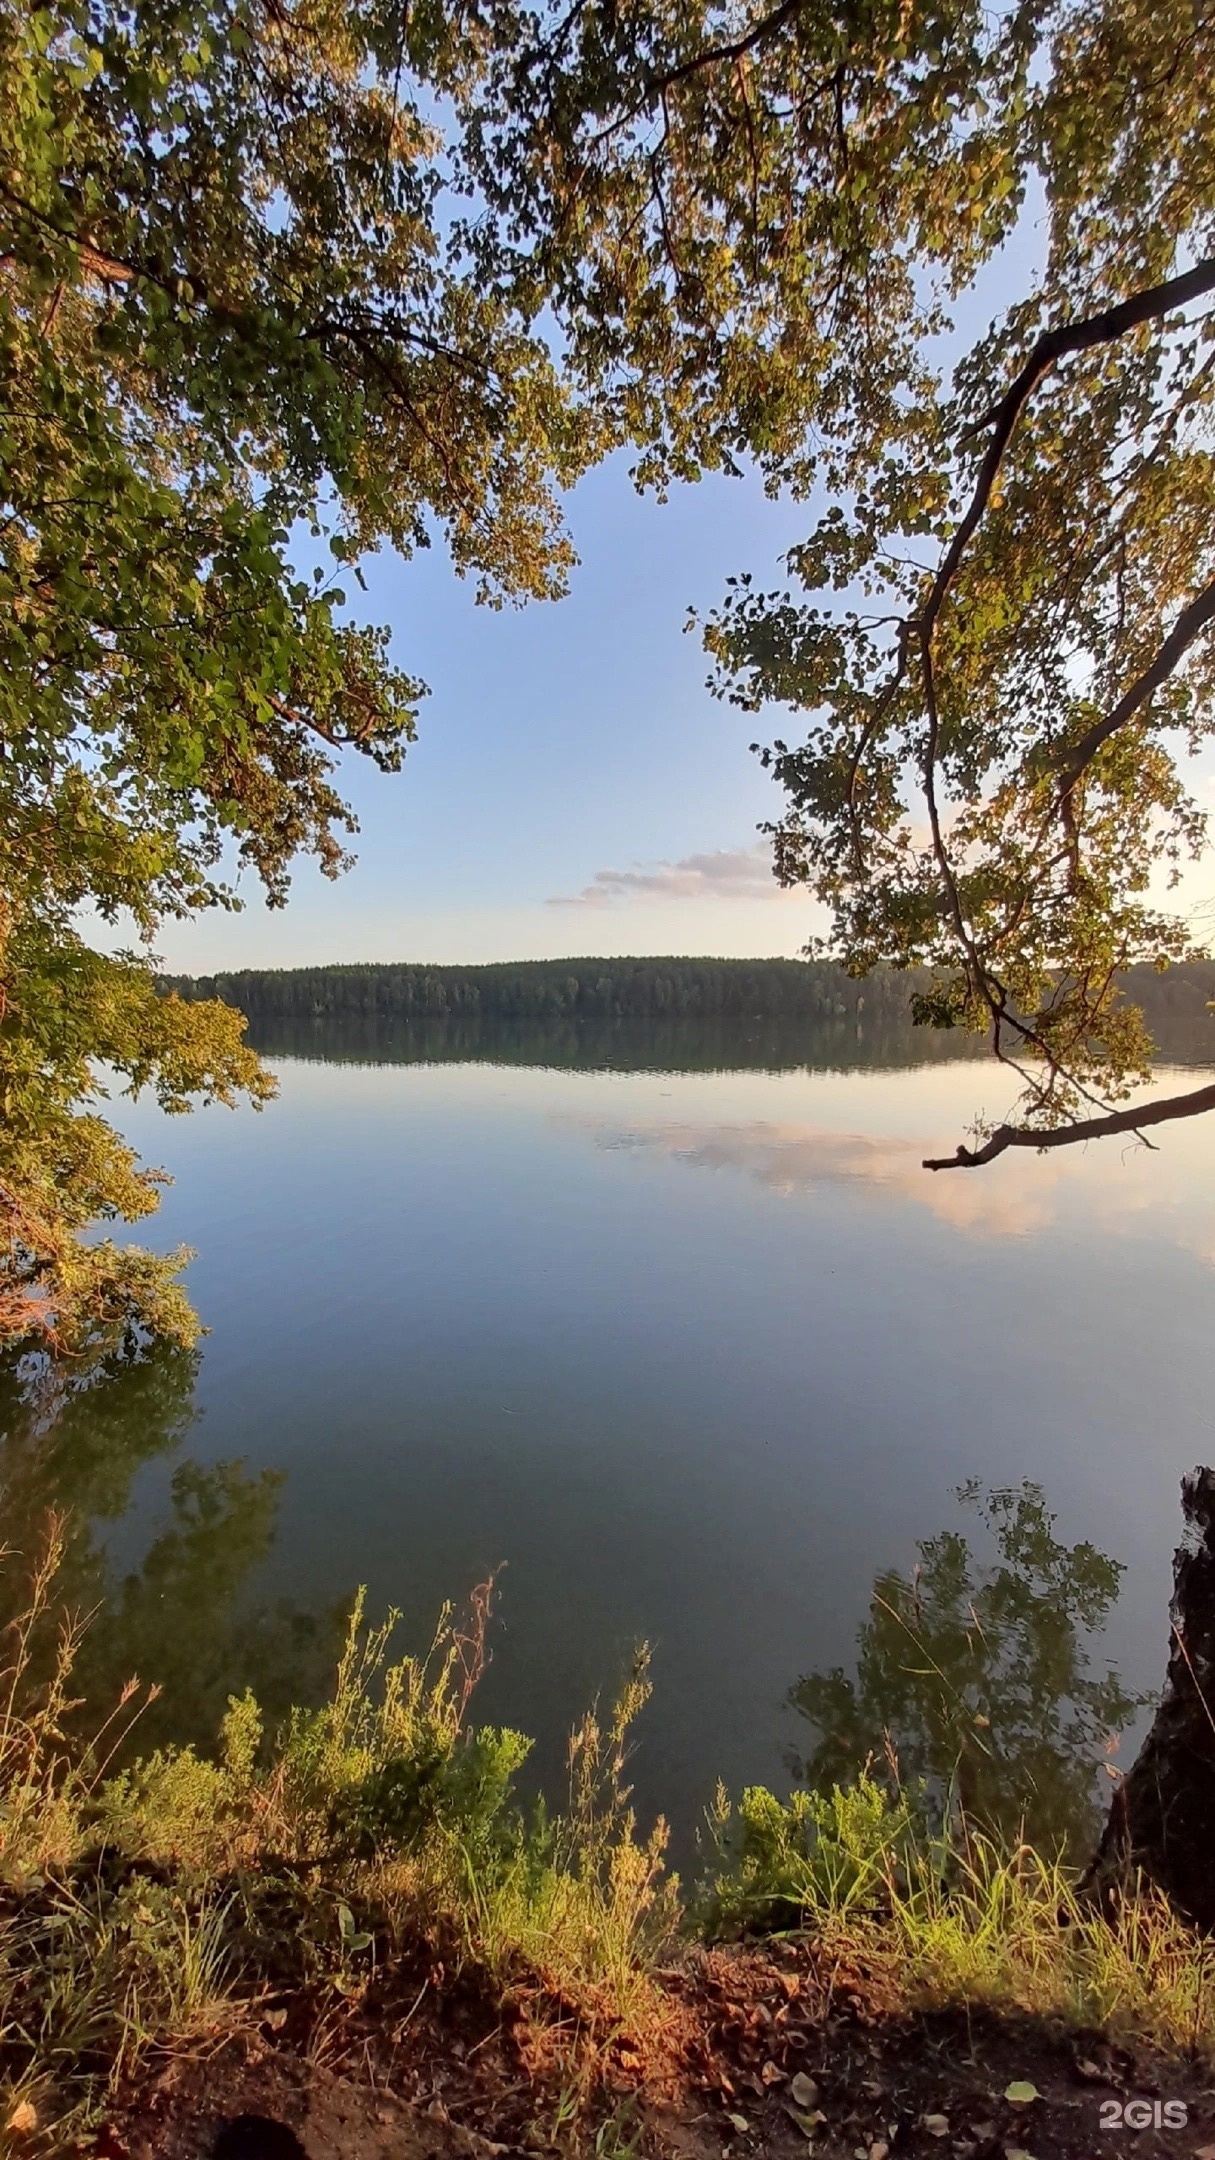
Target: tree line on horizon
[(597, 989), (586, 988)]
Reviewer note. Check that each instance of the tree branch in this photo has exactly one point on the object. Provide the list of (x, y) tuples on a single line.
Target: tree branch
[(1052, 346), (1191, 621), (657, 85), (1097, 1128), (736, 50)]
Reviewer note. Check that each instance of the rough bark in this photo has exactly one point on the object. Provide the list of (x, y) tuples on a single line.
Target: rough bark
[(1162, 1821)]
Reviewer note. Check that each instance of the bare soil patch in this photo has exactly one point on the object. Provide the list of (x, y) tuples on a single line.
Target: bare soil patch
[(744, 2052)]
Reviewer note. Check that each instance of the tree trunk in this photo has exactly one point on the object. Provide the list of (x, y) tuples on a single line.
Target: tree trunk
[(1162, 1821)]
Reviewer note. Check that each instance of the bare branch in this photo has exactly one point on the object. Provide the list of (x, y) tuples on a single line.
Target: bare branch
[(1097, 1128)]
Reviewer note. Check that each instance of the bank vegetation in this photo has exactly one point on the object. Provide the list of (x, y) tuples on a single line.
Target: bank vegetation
[(166, 1907)]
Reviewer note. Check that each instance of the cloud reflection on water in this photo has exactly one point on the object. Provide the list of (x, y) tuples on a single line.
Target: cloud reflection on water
[(999, 1202)]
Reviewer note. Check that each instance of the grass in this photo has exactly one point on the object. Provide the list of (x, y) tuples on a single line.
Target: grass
[(583, 1899), (958, 1917), (148, 1911)]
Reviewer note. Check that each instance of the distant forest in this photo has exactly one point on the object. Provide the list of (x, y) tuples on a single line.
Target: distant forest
[(787, 995), (592, 989)]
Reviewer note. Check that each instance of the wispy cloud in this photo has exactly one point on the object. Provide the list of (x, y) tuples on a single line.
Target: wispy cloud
[(724, 874)]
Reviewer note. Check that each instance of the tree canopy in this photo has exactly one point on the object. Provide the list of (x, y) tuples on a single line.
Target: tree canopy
[(997, 637), (234, 333)]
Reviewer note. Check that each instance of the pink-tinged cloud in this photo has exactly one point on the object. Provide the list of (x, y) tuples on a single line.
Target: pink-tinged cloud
[(800, 1159), (723, 874)]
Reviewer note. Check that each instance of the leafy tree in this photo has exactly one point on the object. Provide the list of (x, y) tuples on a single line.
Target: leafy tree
[(998, 635), (234, 325), (974, 1681)]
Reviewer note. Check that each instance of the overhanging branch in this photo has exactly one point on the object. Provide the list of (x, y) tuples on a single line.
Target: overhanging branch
[(1055, 345), (1137, 1120)]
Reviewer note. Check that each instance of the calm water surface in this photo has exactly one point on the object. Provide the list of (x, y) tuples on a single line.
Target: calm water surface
[(700, 1356)]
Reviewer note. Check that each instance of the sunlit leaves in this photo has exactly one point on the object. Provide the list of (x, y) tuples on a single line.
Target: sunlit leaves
[(753, 220), (237, 349), (991, 778)]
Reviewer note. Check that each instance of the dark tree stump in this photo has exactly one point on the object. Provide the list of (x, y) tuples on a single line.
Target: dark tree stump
[(1162, 1821)]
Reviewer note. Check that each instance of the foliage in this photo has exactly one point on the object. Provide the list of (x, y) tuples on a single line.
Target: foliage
[(766, 228), (695, 1012), (973, 1682), (961, 1918), (577, 989), (740, 214), (143, 1911), (581, 1896), (1002, 639), (137, 1907), (278, 283), (383, 1767), (641, 1016), (284, 282), (815, 1855), (66, 1015), (235, 330)]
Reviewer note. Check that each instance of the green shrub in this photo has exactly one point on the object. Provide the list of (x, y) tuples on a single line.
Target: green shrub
[(776, 1864)]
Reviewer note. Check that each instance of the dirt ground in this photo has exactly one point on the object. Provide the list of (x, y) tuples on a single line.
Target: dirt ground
[(743, 2054)]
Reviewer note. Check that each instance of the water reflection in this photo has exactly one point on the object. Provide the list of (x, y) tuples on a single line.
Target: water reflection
[(1034, 1196), (687, 1044), (678, 1405), (791, 1159), (975, 1679), (976, 1675), (74, 1448), (871, 1040)]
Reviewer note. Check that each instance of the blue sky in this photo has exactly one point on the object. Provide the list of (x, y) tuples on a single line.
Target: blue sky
[(574, 787), (567, 748)]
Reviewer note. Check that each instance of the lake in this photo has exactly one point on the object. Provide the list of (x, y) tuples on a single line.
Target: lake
[(687, 1344)]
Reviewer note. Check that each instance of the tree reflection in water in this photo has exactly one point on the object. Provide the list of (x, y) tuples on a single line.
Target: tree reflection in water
[(974, 1677), (182, 1618), (974, 1680)]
